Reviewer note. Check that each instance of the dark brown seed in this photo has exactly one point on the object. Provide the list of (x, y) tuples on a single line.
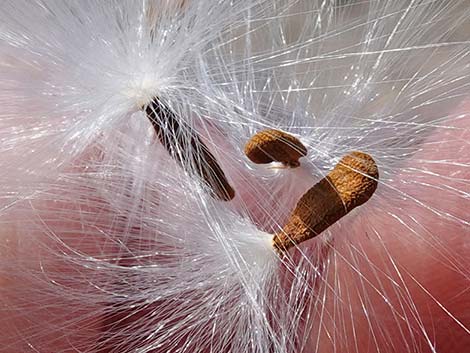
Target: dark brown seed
[(187, 148)]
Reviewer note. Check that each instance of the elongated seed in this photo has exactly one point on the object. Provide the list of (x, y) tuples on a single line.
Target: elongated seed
[(275, 146), (187, 148), (350, 184)]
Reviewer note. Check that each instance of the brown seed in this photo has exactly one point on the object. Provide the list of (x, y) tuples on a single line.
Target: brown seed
[(183, 144), (350, 184), (275, 146)]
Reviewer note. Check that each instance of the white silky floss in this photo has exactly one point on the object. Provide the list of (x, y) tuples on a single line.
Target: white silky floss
[(109, 245)]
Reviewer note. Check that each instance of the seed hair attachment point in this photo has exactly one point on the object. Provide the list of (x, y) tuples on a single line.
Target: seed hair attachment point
[(187, 148), (275, 146), (350, 184)]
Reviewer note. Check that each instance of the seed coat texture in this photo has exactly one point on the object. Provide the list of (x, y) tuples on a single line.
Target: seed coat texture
[(175, 135), (275, 146), (350, 184)]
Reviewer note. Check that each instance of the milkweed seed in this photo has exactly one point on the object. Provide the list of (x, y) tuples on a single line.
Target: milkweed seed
[(350, 184), (275, 146), (187, 148)]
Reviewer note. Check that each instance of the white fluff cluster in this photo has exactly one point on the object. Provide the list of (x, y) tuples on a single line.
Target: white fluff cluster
[(109, 245)]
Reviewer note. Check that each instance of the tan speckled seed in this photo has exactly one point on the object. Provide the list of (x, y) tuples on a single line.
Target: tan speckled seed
[(275, 146), (350, 184)]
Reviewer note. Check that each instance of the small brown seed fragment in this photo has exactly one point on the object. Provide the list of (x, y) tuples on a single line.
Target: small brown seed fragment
[(275, 146), (350, 184), (187, 148)]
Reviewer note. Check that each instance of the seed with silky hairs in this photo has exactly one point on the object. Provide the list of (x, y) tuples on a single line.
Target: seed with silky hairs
[(187, 148), (350, 184)]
